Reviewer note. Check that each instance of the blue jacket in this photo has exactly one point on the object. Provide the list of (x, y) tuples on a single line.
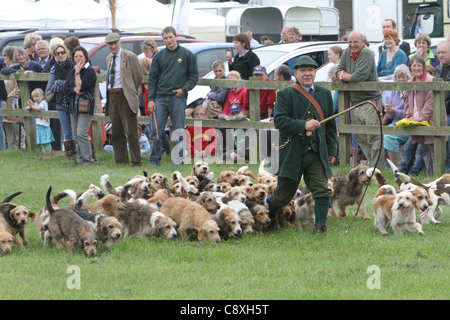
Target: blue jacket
[(219, 94), (31, 65), (385, 68)]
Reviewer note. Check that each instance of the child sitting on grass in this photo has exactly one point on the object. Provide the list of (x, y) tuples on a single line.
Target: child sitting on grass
[(44, 135), (241, 148), (144, 144), (201, 141)]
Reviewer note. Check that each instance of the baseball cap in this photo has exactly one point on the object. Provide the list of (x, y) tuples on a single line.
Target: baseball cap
[(235, 108), (112, 37), (259, 70), (305, 61)]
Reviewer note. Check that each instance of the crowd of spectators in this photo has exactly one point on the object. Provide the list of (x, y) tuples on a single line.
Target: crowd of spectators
[(354, 64)]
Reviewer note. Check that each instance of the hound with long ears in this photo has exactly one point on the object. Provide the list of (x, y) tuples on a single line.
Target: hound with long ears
[(349, 190), (74, 230), (14, 219), (229, 222), (107, 228), (43, 216), (398, 209), (438, 192), (6, 237), (144, 221), (192, 219)]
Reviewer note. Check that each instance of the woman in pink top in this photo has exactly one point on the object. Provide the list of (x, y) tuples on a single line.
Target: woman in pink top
[(419, 107)]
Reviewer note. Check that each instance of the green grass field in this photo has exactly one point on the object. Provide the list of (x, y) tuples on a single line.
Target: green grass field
[(284, 264)]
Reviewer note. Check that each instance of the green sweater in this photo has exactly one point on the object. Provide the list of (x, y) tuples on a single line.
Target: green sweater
[(363, 69), (171, 70)]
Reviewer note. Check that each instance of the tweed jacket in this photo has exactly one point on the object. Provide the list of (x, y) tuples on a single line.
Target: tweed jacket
[(131, 76), (290, 119)]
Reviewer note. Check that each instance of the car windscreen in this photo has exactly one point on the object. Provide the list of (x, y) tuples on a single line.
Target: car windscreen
[(268, 57)]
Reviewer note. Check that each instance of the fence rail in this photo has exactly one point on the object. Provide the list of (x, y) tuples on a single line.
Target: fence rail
[(345, 129)]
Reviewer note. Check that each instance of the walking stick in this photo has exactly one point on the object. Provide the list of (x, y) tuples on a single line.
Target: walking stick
[(309, 133), (156, 128)]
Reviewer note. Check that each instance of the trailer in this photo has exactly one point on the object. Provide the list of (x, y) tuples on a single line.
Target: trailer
[(431, 17), (318, 22), (315, 23)]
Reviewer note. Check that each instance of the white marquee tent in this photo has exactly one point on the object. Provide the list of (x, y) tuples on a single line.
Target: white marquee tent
[(131, 15), (20, 16), (152, 16), (54, 14)]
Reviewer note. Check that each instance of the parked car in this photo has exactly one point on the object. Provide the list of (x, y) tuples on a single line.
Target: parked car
[(272, 56), (98, 50), (206, 53)]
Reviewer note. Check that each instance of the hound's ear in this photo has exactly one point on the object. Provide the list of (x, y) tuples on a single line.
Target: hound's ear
[(201, 235), (353, 176), (81, 243), (145, 173), (106, 205), (32, 215)]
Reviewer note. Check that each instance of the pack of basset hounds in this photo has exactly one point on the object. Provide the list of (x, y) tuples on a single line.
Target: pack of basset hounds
[(200, 207)]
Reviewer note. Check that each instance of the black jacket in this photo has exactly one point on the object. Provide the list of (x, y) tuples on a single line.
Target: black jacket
[(245, 64)]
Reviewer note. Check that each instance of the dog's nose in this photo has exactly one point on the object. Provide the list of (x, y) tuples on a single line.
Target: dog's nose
[(7, 251), (23, 221)]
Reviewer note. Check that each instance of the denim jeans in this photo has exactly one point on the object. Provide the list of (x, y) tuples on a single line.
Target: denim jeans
[(81, 123), (175, 107), (66, 124), (412, 154), (2, 131)]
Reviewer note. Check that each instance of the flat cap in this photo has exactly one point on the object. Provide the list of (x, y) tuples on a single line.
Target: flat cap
[(112, 37), (305, 61)]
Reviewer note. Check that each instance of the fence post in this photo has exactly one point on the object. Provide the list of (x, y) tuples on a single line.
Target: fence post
[(28, 122), (254, 113), (439, 116), (345, 140)]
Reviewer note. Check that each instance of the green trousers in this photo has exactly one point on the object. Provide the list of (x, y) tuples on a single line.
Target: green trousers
[(316, 181)]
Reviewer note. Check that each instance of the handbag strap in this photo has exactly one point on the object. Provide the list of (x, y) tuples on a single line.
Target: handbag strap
[(311, 99)]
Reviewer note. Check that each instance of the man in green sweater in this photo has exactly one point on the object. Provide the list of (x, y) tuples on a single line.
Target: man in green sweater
[(303, 154), (173, 73), (357, 65)]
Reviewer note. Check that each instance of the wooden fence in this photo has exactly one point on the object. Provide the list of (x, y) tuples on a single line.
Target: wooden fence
[(439, 130)]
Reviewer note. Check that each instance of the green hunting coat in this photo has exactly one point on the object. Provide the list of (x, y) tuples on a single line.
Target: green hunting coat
[(290, 116)]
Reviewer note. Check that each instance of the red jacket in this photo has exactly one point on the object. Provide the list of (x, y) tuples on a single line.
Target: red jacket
[(267, 99), (236, 96), (205, 137)]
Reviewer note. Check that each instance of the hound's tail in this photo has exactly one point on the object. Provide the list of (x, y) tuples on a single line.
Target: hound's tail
[(244, 171), (10, 197), (411, 180), (386, 189), (48, 204), (104, 182), (72, 195), (381, 180), (188, 187)]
